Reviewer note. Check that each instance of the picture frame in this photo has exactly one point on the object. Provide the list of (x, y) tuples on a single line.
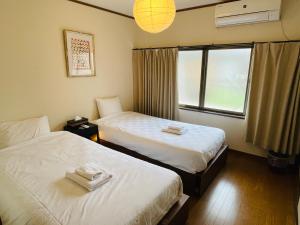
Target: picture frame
[(80, 53)]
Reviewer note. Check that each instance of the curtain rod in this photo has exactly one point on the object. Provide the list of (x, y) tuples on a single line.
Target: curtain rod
[(262, 42), (155, 48), (233, 44)]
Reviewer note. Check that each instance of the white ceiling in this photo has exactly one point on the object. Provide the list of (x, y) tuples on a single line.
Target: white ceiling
[(125, 6)]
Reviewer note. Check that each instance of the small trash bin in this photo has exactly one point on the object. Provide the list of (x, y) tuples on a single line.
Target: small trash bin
[(278, 161)]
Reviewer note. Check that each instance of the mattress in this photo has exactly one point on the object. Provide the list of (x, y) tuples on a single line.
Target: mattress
[(34, 190), (190, 151)]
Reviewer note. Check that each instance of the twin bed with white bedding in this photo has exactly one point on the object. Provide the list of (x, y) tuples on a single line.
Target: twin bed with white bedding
[(190, 151), (34, 189), (189, 154)]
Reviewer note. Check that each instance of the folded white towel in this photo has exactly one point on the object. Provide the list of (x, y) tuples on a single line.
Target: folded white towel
[(175, 127), (90, 171), (172, 131), (89, 185)]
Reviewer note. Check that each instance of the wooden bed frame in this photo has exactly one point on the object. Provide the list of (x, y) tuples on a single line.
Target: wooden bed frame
[(193, 184), (178, 214)]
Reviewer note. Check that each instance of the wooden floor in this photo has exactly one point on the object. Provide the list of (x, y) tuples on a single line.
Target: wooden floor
[(246, 192)]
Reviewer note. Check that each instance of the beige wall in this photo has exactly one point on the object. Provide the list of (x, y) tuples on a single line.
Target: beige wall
[(33, 78), (197, 27)]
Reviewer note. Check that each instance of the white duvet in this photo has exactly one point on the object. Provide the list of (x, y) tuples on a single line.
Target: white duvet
[(190, 151), (34, 190)]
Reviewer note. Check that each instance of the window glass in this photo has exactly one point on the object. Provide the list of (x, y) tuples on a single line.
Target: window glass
[(226, 79), (189, 75)]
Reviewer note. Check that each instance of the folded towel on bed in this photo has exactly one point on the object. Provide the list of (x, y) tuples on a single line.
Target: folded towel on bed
[(89, 185), (90, 171), (172, 131), (176, 127)]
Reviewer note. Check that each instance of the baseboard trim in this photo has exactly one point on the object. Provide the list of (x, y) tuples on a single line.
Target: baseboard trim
[(235, 151)]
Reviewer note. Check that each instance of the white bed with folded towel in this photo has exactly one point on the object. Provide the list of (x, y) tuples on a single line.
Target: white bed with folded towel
[(188, 147), (89, 176), (35, 191), (173, 129)]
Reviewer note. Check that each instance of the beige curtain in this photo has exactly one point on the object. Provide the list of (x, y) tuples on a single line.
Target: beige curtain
[(274, 109), (154, 82)]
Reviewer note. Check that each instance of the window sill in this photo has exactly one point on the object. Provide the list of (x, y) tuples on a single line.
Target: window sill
[(213, 112)]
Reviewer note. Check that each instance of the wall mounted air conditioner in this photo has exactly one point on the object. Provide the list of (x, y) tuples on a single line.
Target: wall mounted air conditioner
[(247, 11)]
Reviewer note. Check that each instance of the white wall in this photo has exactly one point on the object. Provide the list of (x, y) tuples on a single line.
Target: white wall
[(197, 27)]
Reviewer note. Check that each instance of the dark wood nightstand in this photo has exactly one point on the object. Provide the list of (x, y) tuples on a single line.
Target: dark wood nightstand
[(90, 133)]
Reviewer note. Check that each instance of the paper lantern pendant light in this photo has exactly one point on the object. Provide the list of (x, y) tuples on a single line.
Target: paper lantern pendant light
[(154, 16)]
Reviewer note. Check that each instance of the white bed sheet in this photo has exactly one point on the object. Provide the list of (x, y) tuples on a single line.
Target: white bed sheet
[(34, 190), (190, 151)]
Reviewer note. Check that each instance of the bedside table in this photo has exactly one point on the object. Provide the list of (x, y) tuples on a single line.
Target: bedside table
[(90, 133)]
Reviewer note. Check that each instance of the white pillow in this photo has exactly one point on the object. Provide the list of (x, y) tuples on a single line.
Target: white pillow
[(14, 132), (108, 106)]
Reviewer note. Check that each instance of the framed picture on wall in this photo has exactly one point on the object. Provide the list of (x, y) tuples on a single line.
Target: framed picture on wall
[(80, 54)]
